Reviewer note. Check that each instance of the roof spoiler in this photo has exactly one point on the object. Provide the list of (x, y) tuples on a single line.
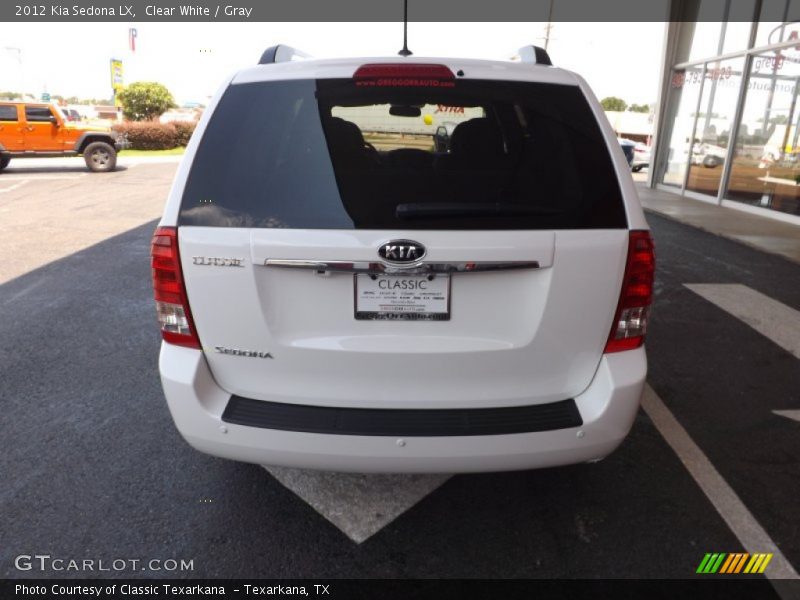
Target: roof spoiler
[(535, 55), (281, 53)]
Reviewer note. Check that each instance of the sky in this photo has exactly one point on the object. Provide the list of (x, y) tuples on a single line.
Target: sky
[(192, 59)]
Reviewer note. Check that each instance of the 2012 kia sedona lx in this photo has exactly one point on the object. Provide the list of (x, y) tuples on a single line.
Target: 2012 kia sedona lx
[(403, 265)]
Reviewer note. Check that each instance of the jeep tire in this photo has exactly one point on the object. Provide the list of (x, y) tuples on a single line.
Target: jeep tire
[(4, 160), (100, 157)]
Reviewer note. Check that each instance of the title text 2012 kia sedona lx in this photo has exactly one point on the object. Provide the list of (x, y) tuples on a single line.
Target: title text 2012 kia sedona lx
[(403, 265)]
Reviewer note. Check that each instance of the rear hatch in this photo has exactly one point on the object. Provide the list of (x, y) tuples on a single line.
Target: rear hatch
[(403, 239)]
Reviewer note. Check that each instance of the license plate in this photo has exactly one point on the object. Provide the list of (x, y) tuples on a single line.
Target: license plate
[(402, 297)]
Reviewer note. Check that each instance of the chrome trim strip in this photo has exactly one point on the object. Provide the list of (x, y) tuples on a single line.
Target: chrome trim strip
[(341, 266)]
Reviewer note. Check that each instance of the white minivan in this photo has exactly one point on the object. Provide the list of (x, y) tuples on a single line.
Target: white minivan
[(344, 284)]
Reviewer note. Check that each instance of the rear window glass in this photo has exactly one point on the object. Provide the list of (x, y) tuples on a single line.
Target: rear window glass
[(328, 154)]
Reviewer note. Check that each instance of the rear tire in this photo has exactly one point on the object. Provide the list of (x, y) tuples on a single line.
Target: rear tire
[(100, 157), (4, 160)]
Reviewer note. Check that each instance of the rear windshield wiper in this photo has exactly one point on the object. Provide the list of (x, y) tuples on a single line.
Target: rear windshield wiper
[(420, 210)]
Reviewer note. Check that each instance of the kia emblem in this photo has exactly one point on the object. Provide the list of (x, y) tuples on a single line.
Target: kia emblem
[(401, 251)]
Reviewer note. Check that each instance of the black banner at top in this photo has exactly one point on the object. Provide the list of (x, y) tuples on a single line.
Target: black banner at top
[(353, 10)]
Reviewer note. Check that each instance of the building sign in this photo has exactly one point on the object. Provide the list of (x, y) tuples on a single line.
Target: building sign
[(116, 78), (680, 78), (453, 110)]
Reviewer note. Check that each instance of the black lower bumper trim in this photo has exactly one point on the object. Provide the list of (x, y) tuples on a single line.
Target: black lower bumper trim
[(402, 422)]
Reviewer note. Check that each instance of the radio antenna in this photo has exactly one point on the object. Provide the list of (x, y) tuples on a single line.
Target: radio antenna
[(405, 51)]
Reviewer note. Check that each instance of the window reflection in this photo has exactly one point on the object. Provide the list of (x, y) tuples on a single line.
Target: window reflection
[(712, 131), (684, 90), (704, 101), (766, 165)]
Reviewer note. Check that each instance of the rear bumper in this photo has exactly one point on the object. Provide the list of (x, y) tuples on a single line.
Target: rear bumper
[(607, 408)]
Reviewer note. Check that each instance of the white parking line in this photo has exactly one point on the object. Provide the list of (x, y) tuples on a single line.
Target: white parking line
[(359, 505), (739, 519), (770, 318), (40, 177), (13, 187)]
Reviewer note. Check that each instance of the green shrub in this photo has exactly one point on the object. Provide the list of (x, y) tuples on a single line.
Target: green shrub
[(149, 135), (152, 135), (183, 131)]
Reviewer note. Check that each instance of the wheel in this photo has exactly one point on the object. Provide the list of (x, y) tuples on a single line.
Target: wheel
[(100, 157), (712, 161), (4, 160)]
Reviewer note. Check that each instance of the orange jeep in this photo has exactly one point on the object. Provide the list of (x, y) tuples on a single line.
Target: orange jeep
[(31, 129)]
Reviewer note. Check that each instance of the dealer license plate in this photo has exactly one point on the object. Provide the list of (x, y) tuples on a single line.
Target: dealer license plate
[(402, 297)]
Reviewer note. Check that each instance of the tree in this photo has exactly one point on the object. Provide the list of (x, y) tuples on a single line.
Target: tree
[(613, 103), (145, 100), (10, 95), (639, 108)]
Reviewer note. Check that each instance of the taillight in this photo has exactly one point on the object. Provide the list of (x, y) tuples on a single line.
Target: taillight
[(630, 320), (404, 75), (172, 305)]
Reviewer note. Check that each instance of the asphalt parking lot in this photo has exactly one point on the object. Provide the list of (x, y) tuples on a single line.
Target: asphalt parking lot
[(95, 469)]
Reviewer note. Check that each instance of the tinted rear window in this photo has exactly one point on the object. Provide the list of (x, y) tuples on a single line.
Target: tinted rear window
[(330, 155)]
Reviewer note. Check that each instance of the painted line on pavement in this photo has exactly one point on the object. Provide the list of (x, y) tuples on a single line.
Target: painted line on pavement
[(729, 506), (38, 177), (778, 322), (359, 505), (14, 186)]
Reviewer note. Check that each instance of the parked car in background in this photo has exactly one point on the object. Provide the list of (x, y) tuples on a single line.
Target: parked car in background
[(628, 149), (641, 157), (708, 155), (637, 154), (30, 130)]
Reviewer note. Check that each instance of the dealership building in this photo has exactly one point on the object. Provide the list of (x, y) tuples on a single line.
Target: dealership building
[(728, 116)]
